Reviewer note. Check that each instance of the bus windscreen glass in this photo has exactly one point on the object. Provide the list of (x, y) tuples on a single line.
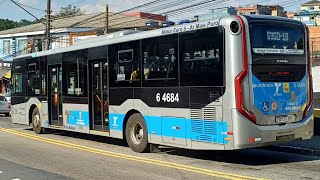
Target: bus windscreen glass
[(268, 39)]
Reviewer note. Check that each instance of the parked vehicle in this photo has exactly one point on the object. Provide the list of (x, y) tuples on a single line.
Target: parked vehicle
[(8, 97), (5, 106), (185, 21), (152, 23), (168, 23)]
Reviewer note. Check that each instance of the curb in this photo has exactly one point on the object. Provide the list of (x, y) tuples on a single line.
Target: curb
[(293, 149)]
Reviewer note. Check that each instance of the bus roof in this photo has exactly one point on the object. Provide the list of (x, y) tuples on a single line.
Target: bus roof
[(116, 38)]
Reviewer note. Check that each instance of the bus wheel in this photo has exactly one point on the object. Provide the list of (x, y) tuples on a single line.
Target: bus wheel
[(36, 121), (137, 134)]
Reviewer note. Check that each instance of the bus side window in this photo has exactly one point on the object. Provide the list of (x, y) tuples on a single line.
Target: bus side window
[(75, 74), (33, 78), (43, 69), (201, 57), (160, 59), (124, 61)]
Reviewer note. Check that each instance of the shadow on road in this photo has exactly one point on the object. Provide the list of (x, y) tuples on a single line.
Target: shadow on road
[(96, 138), (252, 157)]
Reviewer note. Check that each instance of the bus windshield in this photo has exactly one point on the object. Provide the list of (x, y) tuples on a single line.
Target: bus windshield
[(272, 39)]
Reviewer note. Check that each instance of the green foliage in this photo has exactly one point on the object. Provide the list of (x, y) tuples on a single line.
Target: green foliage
[(68, 11), (9, 24)]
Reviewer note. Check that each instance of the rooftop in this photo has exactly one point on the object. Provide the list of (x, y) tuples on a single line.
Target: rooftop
[(311, 3), (96, 20)]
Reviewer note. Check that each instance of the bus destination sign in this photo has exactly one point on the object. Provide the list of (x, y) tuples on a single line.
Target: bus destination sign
[(190, 27)]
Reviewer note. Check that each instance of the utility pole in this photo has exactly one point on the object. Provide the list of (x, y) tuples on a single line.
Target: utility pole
[(48, 25), (107, 20)]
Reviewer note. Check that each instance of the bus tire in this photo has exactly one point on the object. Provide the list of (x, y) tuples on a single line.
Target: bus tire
[(137, 133), (36, 121)]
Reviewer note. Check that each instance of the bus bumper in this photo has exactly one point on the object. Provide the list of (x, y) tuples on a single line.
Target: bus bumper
[(249, 135)]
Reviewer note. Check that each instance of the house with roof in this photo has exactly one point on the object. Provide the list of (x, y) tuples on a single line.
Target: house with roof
[(64, 32), (215, 13), (309, 13)]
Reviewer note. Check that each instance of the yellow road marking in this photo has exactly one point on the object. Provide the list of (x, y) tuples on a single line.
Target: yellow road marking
[(132, 158)]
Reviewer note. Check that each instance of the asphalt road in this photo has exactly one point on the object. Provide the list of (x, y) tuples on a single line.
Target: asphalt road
[(65, 155)]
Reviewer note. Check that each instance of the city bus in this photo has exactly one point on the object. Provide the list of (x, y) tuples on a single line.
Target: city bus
[(224, 84)]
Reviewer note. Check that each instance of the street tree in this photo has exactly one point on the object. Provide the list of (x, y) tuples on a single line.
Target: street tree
[(68, 11)]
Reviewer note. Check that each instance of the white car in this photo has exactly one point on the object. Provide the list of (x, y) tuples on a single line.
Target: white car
[(8, 97), (5, 106)]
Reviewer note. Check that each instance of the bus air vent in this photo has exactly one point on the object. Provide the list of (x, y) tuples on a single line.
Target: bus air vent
[(205, 138), (196, 114), (209, 113)]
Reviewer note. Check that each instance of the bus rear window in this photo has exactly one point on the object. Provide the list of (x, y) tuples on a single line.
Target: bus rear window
[(271, 39)]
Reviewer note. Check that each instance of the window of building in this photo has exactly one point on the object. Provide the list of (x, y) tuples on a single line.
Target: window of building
[(37, 45), (311, 8), (252, 12), (22, 46), (124, 61), (75, 74), (6, 47), (160, 56), (202, 57)]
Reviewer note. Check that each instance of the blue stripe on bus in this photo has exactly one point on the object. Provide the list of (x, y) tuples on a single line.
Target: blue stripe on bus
[(198, 130)]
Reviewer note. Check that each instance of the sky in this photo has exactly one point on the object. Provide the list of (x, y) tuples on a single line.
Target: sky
[(11, 11)]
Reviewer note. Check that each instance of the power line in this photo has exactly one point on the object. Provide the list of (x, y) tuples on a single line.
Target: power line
[(30, 7), (2, 1), (170, 11), (25, 10)]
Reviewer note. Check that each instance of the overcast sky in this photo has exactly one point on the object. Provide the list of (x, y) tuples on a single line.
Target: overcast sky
[(10, 11)]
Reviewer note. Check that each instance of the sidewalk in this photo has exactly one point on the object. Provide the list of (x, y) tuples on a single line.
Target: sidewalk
[(308, 147)]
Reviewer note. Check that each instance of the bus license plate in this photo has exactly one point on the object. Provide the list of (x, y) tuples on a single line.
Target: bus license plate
[(282, 119)]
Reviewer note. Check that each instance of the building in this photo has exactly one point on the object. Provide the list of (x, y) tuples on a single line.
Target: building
[(309, 18), (289, 15), (157, 17), (309, 13), (277, 10), (64, 32), (254, 9), (311, 6), (215, 13)]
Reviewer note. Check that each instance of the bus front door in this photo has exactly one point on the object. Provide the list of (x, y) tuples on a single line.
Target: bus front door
[(100, 104), (55, 99)]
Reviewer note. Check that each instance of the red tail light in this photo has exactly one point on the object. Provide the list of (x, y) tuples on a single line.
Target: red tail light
[(9, 105), (240, 77), (310, 87)]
